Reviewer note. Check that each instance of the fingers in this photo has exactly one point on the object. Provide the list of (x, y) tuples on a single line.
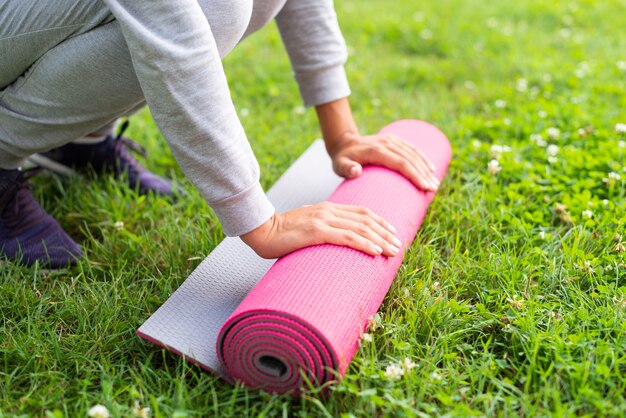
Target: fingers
[(410, 149), (346, 167), (419, 166), (390, 156), (359, 228), (368, 239), (360, 213), (324, 223), (392, 152)]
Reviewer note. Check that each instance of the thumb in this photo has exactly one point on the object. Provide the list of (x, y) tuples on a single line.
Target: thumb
[(345, 167)]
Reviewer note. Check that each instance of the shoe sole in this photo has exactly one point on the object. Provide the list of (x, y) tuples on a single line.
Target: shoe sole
[(45, 162)]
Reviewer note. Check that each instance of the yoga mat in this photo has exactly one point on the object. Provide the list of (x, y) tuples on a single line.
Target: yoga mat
[(303, 315)]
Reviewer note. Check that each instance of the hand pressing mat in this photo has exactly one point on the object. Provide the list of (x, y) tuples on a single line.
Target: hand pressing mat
[(270, 323)]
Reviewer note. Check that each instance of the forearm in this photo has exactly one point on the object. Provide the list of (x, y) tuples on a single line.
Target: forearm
[(182, 78), (336, 123)]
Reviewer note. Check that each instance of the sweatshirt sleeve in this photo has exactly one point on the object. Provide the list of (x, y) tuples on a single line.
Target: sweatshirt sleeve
[(316, 48), (180, 72)]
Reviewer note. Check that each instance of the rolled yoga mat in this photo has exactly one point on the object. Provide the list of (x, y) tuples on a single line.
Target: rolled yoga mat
[(303, 320)]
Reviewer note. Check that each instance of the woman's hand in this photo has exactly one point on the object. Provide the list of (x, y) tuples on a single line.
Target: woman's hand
[(324, 223), (352, 151)]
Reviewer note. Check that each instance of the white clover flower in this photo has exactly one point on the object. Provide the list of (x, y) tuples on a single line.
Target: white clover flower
[(119, 225), (521, 85), (299, 110), (542, 114), (98, 411), (394, 372), (476, 143), (141, 412), (587, 214), (582, 70), (498, 150), (418, 16), (553, 133), (426, 34), (538, 139), (366, 337), (621, 144), (582, 132), (547, 78), (620, 128), (376, 102), (435, 286), (614, 176), (435, 376), (565, 33), (408, 364), (605, 202), (621, 65), (374, 323), (516, 303), (507, 30), (493, 167), (552, 150), (506, 121), (244, 112), (500, 104), (542, 235), (588, 267), (469, 85), (552, 160)]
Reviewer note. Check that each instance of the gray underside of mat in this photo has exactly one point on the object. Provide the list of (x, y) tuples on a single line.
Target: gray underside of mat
[(188, 323)]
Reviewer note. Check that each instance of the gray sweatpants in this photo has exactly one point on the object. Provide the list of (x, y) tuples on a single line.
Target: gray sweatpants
[(61, 76)]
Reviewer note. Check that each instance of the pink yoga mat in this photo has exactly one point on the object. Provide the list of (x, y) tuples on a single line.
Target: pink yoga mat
[(306, 315)]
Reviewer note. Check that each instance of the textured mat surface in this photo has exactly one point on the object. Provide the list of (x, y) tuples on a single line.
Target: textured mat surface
[(304, 314)]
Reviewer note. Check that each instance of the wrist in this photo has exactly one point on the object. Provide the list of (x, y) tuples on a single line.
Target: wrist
[(336, 143), (258, 238)]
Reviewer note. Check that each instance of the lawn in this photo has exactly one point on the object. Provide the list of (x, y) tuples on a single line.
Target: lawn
[(512, 299)]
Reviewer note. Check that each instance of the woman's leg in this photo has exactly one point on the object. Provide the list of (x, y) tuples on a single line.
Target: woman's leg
[(75, 88)]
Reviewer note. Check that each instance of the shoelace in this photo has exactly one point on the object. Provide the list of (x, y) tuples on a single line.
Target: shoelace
[(123, 145), (22, 182)]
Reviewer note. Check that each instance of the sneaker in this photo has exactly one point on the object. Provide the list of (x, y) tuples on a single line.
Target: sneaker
[(109, 156), (27, 233)]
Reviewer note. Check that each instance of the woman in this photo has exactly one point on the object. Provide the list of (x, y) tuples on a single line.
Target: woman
[(70, 68)]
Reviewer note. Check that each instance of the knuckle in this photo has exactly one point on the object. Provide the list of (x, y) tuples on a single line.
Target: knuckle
[(314, 227), (322, 206), (362, 229), (321, 214), (349, 238)]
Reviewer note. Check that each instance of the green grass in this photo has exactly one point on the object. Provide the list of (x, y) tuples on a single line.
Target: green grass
[(509, 304)]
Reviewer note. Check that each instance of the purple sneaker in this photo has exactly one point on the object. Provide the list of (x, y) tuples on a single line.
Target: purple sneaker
[(111, 156), (27, 233)]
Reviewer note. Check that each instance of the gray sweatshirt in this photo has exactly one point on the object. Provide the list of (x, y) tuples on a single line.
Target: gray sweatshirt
[(176, 48)]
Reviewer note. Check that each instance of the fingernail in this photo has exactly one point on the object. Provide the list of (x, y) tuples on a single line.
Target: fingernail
[(378, 249), (394, 250), (353, 170), (396, 242), (391, 228)]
